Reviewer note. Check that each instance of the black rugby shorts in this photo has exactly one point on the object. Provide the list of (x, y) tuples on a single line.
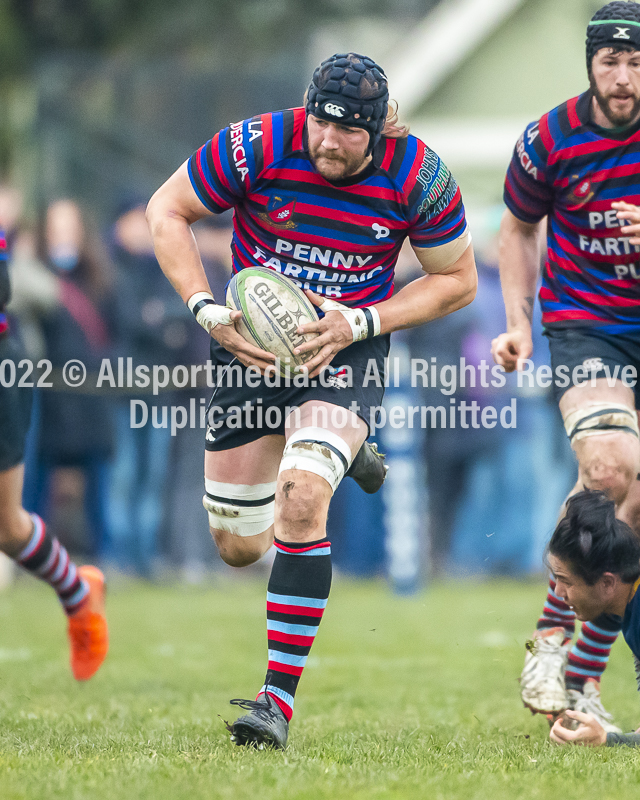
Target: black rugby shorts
[(15, 406), (594, 350), (231, 429)]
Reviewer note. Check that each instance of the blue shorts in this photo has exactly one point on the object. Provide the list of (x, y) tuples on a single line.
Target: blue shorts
[(594, 350), (241, 412)]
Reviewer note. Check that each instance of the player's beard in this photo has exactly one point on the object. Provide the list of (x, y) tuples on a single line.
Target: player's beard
[(336, 168), (605, 102)]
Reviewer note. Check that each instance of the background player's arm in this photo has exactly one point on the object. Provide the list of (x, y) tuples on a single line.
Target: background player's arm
[(170, 213), (519, 264)]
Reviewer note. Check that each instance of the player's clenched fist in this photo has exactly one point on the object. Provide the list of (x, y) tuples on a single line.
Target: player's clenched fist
[(511, 349)]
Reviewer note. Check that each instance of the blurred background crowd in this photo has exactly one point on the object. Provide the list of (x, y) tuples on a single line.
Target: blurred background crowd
[(101, 102)]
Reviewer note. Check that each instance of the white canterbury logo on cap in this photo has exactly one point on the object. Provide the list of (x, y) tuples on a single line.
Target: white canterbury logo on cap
[(336, 111), (623, 33)]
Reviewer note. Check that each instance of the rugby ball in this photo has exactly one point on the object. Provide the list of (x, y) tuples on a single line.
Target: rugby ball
[(272, 308)]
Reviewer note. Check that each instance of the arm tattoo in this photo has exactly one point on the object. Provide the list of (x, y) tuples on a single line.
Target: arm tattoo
[(527, 308)]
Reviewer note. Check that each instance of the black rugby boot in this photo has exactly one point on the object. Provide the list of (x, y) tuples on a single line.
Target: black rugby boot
[(368, 469), (264, 726)]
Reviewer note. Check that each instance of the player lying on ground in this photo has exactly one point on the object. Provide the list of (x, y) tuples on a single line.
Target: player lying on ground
[(576, 166), (325, 194), (24, 537), (595, 561)]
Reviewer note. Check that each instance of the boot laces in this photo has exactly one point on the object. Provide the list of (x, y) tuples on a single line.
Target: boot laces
[(269, 711)]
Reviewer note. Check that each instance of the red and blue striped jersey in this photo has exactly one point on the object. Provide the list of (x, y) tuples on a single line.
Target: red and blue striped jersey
[(4, 282), (341, 239), (569, 169)]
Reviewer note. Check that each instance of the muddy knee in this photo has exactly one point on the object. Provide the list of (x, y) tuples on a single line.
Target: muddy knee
[(604, 436), (301, 507), (609, 466), (240, 520), (313, 463)]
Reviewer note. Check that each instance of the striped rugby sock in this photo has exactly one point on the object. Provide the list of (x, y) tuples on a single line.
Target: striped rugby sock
[(296, 598), (589, 655), (47, 559), (556, 613)]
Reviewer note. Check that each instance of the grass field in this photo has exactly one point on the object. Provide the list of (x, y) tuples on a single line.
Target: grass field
[(402, 698)]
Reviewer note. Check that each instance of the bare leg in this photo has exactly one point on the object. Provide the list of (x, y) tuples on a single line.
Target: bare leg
[(248, 465), (16, 525)]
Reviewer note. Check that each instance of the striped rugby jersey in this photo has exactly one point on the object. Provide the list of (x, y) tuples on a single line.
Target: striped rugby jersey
[(4, 282), (341, 239), (571, 170)]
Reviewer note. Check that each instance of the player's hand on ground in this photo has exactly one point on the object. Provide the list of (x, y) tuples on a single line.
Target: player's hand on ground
[(335, 334), (630, 215), (509, 350), (246, 353), (589, 733)]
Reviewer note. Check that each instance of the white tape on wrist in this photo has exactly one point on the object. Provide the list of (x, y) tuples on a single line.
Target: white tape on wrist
[(364, 322), (207, 312)]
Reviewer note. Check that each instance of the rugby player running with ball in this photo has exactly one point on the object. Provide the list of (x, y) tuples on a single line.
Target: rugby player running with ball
[(325, 194), (579, 166)]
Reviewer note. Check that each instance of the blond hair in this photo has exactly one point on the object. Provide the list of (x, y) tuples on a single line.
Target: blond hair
[(392, 128)]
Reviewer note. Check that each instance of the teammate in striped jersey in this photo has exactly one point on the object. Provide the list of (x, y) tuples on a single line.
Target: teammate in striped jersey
[(325, 194), (23, 536), (579, 166)]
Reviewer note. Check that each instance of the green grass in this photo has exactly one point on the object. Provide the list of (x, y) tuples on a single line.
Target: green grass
[(402, 698)]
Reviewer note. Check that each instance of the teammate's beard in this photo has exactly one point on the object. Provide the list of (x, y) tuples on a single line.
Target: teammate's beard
[(616, 119), (336, 168)]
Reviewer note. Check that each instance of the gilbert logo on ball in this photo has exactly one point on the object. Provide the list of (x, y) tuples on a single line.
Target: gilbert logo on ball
[(272, 309)]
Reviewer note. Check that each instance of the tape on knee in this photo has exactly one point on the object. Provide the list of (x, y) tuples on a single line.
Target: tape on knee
[(319, 451), (593, 419), (240, 509)]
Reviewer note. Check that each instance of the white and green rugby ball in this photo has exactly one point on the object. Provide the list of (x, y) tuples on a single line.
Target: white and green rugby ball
[(272, 309)]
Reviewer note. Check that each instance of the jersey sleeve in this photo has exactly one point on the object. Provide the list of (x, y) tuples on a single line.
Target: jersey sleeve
[(5, 290), (223, 169), (435, 204), (527, 190)]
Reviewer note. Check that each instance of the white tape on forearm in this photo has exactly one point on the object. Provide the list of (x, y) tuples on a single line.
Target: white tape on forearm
[(207, 312), (364, 322)]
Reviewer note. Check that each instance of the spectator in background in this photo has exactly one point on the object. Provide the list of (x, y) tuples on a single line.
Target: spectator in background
[(75, 428), (152, 327)]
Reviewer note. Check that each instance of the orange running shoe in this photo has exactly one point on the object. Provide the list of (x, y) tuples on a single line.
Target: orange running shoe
[(88, 634)]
